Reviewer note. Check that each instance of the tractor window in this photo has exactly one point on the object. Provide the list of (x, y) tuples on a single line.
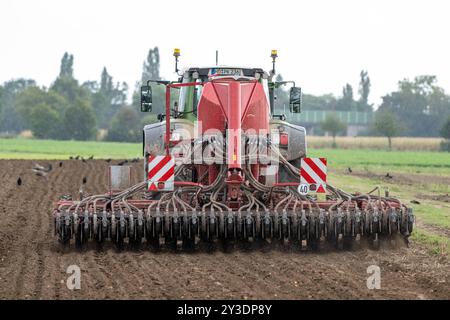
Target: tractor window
[(189, 97), (198, 94), (182, 103)]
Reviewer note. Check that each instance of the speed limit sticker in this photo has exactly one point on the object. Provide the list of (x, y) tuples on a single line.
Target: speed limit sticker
[(303, 189)]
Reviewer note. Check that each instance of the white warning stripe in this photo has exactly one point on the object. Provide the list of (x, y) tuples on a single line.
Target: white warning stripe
[(163, 171), (154, 162), (312, 174), (320, 164)]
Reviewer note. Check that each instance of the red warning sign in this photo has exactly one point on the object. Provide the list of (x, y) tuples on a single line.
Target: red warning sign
[(314, 171), (161, 173)]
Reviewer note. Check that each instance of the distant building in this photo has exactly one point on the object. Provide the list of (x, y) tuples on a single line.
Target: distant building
[(357, 122)]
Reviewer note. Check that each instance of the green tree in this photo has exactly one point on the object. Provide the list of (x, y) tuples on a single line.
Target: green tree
[(78, 117), (281, 97), (107, 98), (445, 130), (347, 93), (66, 85), (33, 97), (45, 122), (148, 119), (323, 102), (445, 133), (364, 91), (66, 69), (10, 119), (69, 89), (421, 105), (125, 126), (150, 70), (79, 121), (1, 94), (387, 125), (346, 102), (333, 125)]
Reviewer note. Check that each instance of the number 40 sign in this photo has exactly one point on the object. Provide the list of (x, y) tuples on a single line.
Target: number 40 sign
[(303, 189)]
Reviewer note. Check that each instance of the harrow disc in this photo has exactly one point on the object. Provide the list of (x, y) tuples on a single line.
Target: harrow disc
[(303, 227)]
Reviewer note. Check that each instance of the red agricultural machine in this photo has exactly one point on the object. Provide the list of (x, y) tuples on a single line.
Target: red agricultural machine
[(222, 165)]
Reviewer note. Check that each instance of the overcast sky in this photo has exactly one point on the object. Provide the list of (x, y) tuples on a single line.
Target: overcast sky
[(321, 44)]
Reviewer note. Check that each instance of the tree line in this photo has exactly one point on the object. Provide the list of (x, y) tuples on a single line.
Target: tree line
[(69, 109), (418, 108)]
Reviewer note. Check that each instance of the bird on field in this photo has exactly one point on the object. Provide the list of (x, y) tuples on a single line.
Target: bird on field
[(19, 181), (77, 158), (40, 173), (415, 202), (388, 176), (91, 158), (83, 159), (70, 158), (81, 193), (84, 180), (122, 163), (349, 170), (108, 160), (60, 164), (38, 167)]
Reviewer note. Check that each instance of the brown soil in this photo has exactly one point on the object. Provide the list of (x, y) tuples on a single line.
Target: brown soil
[(33, 267), (440, 197), (438, 230), (406, 179)]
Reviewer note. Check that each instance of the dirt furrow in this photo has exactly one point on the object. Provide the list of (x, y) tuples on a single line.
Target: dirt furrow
[(33, 266)]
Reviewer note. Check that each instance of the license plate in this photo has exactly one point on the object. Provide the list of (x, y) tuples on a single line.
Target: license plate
[(225, 72)]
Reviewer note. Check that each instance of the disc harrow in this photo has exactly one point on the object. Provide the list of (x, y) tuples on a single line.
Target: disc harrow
[(194, 213), (180, 218)]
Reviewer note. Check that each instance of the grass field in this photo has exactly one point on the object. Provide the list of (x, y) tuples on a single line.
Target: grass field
[(409, 161), (421, 175), (400, 161), (50, 149)]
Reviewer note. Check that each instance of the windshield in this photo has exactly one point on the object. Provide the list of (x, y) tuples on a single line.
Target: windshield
[(189, 97)]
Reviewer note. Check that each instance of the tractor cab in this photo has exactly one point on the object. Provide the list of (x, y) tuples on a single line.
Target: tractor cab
[(223, 98), (189, 96), (191, 82)]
